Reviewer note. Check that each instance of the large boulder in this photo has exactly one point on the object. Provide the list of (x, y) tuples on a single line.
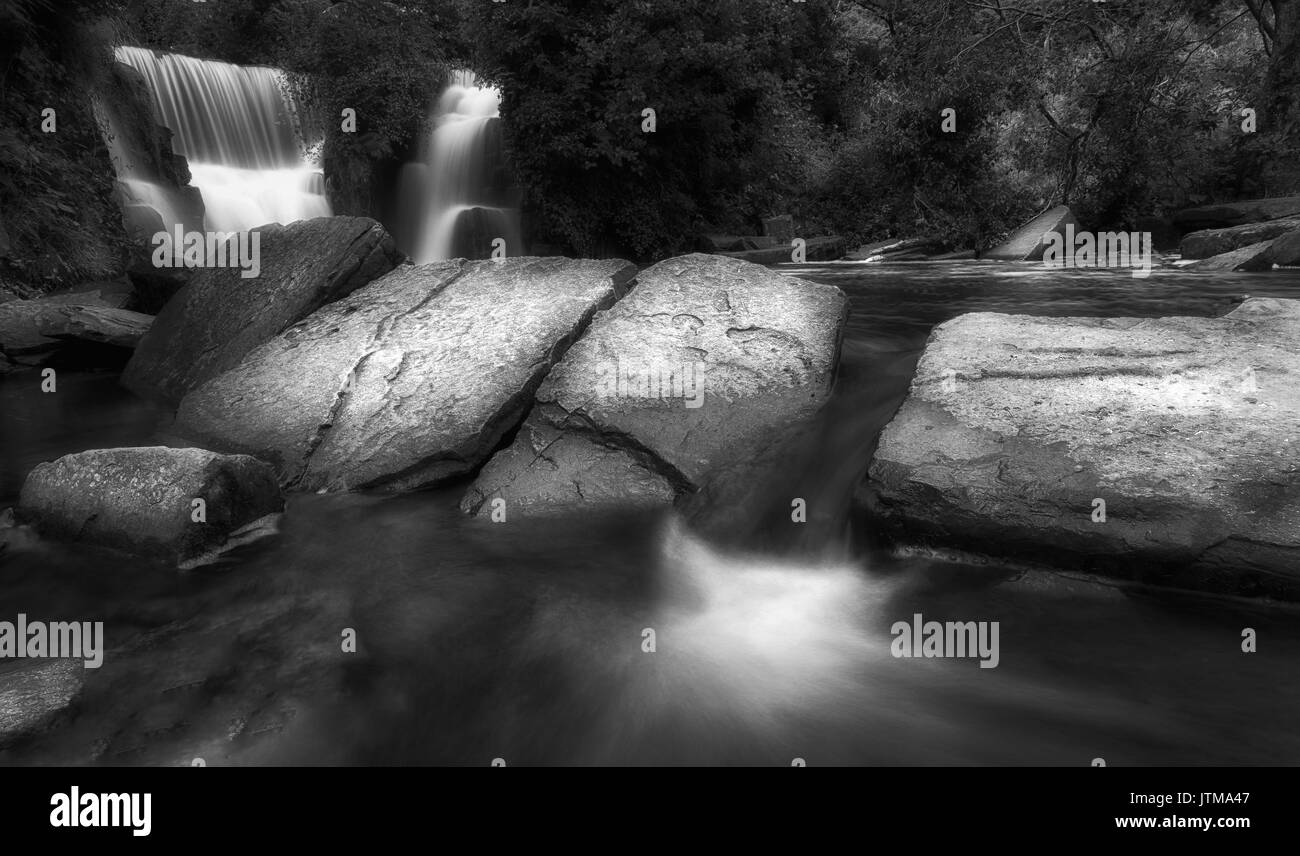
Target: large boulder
[(1017, 429), (410, 381), (1227, 214), (1213, 242), (1285, 251), (706, 362), (143, 501), (1027, 243), (219, 316)]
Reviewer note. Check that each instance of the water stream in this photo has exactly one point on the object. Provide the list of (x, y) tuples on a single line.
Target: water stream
[(523, 641)]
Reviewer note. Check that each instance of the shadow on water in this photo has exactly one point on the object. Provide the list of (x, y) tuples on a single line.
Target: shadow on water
[(526, 641)]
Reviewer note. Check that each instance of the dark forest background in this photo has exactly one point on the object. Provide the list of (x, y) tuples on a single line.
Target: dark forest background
[(829, 110)]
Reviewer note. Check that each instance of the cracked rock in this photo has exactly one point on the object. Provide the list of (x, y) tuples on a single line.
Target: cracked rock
[(706, 362), (408, 382), (1184, 427)]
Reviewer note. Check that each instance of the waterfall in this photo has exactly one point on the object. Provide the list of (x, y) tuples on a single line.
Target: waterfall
[(241, 135), (455, 194)]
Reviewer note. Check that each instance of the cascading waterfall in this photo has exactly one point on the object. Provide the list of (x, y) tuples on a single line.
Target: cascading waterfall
[(453, 194), (241, 136)]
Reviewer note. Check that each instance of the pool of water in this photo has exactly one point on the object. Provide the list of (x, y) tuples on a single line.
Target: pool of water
[(525, 641)]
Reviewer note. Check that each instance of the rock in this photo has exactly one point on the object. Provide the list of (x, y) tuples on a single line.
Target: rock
[(547, 471), (887, 249), (817, 250), (1285, 251), (955, 255), (142, 222), (1254, 257), (780, 227), (1237, 213), (32, 328), (707, 361), (34, 692), (1026, 244), (1214, 242), (410, 381), (118, 327), (1185, 427), (140, 500), (219, 316), (154, 287)]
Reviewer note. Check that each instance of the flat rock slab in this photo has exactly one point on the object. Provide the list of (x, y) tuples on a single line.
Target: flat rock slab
[(707, 360), (1026, 244), (29, 327), (1186, 428), (218, 317), (410, 381), (119, 327), (1213, 242), (141, 500), (34, 692), (1254, 257), (1229, 214)]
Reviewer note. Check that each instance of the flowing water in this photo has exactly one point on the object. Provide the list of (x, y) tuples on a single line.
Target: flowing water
[(524, 641), (242, 136), (448, 192)]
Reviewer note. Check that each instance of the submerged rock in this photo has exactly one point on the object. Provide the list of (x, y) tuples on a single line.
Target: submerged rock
[(1026, 244), (410, 381), (1157, 449), (707, 361), (219, 316), (143, 500)]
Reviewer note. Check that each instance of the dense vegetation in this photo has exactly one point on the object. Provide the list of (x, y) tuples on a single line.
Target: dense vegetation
[(827, 109)]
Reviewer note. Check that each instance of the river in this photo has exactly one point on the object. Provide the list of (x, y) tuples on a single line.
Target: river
[(525, 641)]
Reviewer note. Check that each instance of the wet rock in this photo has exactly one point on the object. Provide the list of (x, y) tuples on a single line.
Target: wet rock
[(410, 381), (1026, 244), (142, 501), (219, 316), (1186, 429), (1213, 242), (706, 362), (1255, 257), (34, 692)]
